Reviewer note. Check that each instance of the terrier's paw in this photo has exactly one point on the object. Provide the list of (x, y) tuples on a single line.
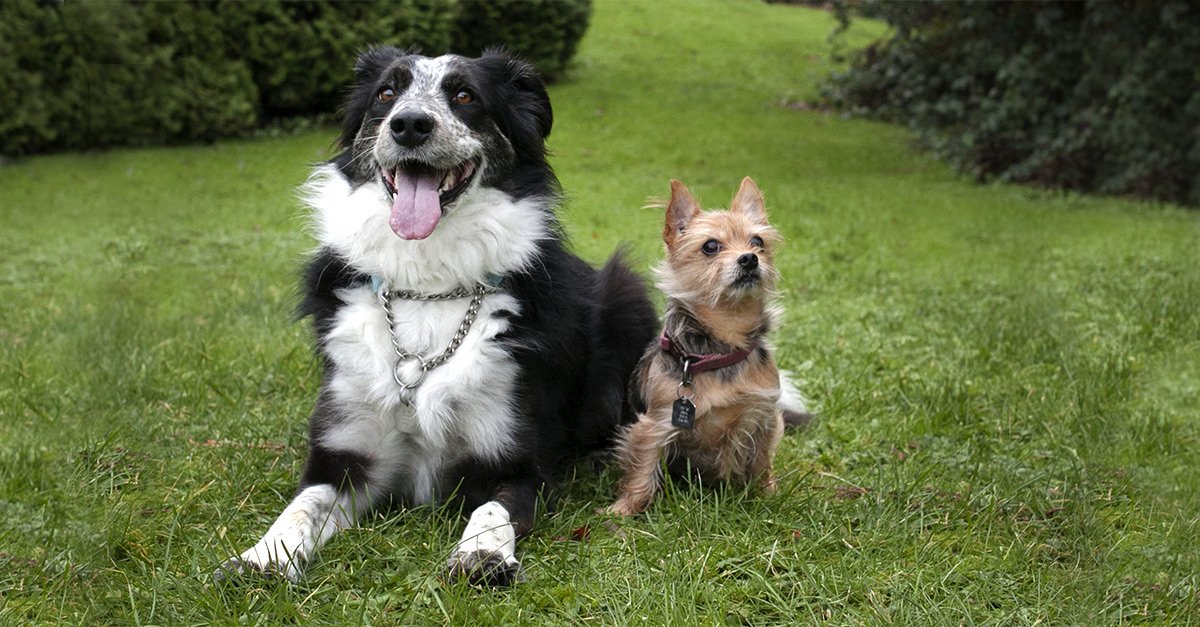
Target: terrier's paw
[(485, 568), (624, 507)]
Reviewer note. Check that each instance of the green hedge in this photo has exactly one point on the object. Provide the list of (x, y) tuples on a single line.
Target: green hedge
[(546, 32), (91, 74), (1100, 96), (300, 54), (84, 75)]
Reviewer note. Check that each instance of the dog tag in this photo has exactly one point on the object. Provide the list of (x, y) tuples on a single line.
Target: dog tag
[(683, 414)]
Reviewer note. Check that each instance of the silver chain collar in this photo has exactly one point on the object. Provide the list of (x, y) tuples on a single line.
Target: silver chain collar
[(402, 356)]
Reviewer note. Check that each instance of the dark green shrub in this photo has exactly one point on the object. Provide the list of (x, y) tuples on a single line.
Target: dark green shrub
[(94, 74), (184, 83), (32, 60), (91, 73), (1100, 96), (545, 32), (301, 53)]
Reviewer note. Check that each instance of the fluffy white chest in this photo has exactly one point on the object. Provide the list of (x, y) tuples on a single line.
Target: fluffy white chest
[(462, 408)]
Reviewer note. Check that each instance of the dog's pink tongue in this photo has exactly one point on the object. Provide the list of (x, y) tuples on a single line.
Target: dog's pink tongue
[(417, 208)]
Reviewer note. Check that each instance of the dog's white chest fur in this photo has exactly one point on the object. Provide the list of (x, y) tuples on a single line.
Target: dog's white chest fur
[(461, 408)]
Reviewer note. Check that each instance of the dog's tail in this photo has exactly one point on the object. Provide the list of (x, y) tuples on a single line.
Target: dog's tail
[(792, 404), (626, 323)]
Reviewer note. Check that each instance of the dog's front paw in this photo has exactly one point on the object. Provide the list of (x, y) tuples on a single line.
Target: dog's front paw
[(251, 565), (236, 568), (487, 553), (624, 507), (484, 568)]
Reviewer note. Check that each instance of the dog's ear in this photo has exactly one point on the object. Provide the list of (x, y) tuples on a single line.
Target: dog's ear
[(531, 97), (521, 107), (748, 201), (375, 60), (680, 211), (367, 71)]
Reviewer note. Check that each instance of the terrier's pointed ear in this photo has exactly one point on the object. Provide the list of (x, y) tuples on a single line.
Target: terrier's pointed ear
[(680, 211), (748, 201)]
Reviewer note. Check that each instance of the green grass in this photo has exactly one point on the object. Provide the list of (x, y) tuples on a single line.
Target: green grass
[(1008, 379)]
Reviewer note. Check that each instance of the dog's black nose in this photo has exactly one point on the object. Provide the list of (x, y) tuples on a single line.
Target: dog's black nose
[(411, 129), (748, 261)]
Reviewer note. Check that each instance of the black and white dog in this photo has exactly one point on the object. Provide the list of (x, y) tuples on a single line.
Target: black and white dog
[(466, 353)]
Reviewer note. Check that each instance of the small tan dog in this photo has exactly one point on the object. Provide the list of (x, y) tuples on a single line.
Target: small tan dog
[(709, 389)]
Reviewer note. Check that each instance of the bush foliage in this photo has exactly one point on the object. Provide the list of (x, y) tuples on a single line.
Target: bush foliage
[(547, 32), (95, 74), (1100, 96)]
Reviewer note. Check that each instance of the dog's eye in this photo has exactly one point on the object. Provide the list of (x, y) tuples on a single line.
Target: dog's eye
[(386, 94), (463, 97), (711, 247), (756, 242)]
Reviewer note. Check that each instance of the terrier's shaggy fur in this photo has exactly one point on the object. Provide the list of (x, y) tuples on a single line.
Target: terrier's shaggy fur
[(719, 276)]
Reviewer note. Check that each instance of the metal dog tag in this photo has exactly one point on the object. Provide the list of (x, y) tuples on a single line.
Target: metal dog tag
[(683, 414)]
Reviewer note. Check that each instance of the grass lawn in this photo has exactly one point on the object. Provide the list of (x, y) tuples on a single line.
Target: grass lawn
[(1008, 380)]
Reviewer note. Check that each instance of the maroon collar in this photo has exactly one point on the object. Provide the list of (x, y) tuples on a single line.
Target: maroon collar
[(700, 363)]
